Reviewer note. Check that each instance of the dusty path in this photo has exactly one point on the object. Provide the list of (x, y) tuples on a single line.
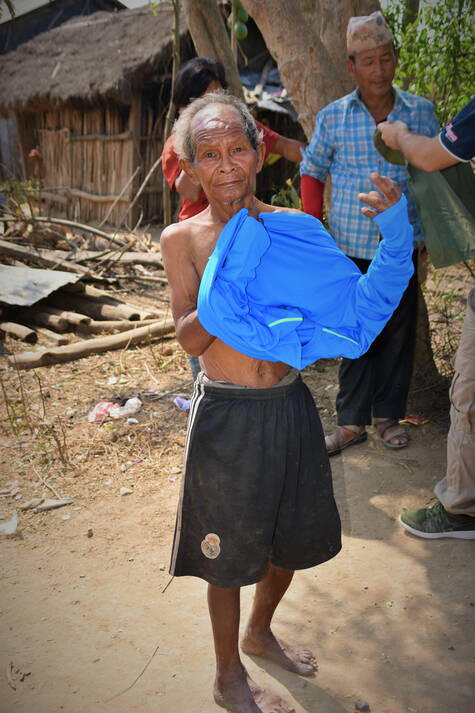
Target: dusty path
[(392, 617)]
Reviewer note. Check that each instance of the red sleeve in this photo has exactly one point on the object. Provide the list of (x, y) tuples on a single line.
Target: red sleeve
[(170, 167), (312, 195), (270, 137)]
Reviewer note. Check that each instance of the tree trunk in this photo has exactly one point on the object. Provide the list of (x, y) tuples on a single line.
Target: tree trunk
[(210, 38), (166, 193), (317, 33)]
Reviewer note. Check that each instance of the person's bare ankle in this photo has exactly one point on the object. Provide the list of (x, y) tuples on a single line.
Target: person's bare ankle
[(243, 695), (234, 671), (262, 642)]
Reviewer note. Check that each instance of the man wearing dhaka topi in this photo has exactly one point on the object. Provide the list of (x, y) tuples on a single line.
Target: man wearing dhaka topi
[(257, 497)]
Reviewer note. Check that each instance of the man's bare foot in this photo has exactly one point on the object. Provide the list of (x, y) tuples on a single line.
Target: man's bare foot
[(238, 693), (294, 658)]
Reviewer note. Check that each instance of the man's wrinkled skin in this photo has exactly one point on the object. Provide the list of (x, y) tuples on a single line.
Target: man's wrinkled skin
[(225, 165)]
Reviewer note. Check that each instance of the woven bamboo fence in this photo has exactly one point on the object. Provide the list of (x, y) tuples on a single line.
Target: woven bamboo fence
[(90, 157)]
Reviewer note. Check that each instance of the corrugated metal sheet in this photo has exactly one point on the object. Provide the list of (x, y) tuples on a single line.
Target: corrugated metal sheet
[(23, 286)]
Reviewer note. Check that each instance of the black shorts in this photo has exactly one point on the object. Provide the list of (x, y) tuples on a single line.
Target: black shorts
[(257, 486)]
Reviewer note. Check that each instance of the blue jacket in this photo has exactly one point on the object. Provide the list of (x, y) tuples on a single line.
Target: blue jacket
[(279, 289)]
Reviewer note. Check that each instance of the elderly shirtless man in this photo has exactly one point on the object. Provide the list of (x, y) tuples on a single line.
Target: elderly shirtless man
[(257, 499)]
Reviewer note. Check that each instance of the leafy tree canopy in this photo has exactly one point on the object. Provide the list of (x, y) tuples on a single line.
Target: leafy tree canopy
[(436, 52)]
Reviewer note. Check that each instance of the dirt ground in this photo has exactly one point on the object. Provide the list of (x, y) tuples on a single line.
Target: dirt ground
[(83, 611)]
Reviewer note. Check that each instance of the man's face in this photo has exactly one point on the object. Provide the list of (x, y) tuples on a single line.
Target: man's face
[(373, 70), (225, 163)]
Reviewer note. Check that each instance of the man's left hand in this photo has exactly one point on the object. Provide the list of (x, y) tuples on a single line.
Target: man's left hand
[(377, 203)]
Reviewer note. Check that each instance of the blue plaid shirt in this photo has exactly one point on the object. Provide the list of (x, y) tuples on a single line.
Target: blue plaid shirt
[(342, 146)]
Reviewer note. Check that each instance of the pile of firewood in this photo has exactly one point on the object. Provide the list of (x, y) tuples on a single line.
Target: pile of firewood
[(81, 309)]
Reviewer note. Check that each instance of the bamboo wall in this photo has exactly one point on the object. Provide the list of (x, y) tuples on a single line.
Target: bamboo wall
[(90, 156)]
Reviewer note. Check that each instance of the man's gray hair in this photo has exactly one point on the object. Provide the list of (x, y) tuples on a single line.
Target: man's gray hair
[(184, 142)]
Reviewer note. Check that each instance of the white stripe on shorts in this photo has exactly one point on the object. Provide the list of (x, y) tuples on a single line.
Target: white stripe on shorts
[(196, 399)]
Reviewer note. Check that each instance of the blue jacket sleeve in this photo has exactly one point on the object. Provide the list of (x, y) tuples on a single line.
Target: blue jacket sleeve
[(363, 304)]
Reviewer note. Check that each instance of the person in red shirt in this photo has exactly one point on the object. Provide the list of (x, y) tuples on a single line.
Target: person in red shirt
[(195, 78)]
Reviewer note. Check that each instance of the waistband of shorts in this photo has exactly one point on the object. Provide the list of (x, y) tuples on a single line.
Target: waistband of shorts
[(223, 388)]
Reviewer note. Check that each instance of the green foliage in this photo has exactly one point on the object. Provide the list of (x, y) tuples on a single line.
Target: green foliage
[(19, 196), (287, 196), (19, 191), (436, 52), (237, 20)]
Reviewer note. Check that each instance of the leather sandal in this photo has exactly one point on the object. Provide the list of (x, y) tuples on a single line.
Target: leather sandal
[(389, 429), (339, 440)]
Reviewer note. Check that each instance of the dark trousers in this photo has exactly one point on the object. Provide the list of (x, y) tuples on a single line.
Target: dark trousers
[(377, 384)]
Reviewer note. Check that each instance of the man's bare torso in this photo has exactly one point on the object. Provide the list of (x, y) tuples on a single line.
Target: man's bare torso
[(193, 242)]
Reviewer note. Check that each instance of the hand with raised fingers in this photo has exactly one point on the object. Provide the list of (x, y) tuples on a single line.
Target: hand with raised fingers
[(377, 203)]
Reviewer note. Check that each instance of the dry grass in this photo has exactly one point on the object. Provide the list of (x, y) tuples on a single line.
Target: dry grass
[(50, 447)]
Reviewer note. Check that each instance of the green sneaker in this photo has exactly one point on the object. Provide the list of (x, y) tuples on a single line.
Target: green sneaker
[(436, 522)]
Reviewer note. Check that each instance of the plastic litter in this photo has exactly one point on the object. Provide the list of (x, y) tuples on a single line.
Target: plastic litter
[(132, 420), (130, 407), (126, 491), (181, 403), (414, 419), (100, 411)]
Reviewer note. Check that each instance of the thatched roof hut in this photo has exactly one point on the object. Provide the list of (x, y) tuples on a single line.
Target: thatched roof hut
[(92, 95), (34, 16), (102, 56)]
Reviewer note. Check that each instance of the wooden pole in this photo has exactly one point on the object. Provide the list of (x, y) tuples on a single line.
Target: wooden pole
[(18, 251), (19, 331), (71, 352), (63, 221), (166, 195), (45, 318), (109, 326), (57, 339)]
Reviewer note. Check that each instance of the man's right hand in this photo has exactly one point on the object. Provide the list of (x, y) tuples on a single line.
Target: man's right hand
[(377, 203), (391, 131)]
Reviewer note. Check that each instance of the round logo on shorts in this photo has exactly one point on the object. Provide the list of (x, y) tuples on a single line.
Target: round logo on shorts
[(210, 546)]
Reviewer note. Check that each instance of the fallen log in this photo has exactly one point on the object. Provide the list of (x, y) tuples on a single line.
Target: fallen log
[(142, 278), (100, 297), (94, 293), (57, 339), (40, 316), (69, 223), (95, 308), (34, 256), (109, 326), (19, 331), (70, 352), (128, 258), (73, 318)]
